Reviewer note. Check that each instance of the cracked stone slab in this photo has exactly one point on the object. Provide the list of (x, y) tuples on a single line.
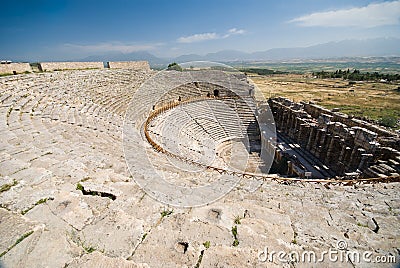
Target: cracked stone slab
[(116, 233), (6, 181), (48, 246), (22, 196), (95, 187), (12, 166), (178, 241), (33, 176), (223, 256), (12, 227), (72, 209), (99, 260), (258, 232)]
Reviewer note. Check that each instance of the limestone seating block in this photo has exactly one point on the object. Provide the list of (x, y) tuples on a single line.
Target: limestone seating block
[(100, 260)]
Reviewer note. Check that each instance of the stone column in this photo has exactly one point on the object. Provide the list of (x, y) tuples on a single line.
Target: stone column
[(298, 127), (325, 146), (314, 147), (342, 158), (320, 146), (311, 137), (365, 160), (304, 134)]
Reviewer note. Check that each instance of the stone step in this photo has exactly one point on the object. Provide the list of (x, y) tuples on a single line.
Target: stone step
[(11, 166)]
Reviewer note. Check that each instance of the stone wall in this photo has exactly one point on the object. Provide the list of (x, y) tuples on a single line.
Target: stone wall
[(15, 67), (53, 66), (136, 65), (344, 148)]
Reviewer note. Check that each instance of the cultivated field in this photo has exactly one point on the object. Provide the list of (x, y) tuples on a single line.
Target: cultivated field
[(372, 100)]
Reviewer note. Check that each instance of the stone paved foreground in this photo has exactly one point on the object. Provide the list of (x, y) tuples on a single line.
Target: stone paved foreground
[(61, 137)]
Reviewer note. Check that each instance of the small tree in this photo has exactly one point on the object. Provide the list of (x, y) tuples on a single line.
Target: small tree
[(174, 66)]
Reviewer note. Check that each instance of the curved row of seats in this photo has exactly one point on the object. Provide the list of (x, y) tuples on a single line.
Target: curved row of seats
[(91, 93), (187, 129), (61, 125)]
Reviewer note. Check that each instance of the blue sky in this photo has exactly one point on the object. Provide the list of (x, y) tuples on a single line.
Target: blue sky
[(57, 29)]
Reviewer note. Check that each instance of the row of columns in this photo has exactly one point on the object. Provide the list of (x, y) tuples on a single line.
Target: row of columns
[(340, 154)]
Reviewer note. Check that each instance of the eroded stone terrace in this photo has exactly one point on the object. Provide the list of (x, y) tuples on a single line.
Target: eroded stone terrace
[(68, 200)]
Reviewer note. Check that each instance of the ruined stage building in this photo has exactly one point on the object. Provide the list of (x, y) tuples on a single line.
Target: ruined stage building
[(328, 144)]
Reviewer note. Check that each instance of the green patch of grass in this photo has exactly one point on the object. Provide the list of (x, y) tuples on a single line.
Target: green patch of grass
[(23, 237), (166, 213), (294, 240), (6, 187), (79, 187), (199, 260), (374, 113), (361, 225), (237, 219), (9, 111), (40, 201), (88, 249), (19, 240), (144, 236), (207, 244), (235, 233)]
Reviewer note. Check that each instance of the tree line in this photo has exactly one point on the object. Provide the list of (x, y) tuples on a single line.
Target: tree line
[(356, 75), (261, 71)]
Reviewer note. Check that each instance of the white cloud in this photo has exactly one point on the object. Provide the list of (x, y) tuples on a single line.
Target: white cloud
[(235, 31), (373, 15), (208, 36), (111, 47), (197, 37)]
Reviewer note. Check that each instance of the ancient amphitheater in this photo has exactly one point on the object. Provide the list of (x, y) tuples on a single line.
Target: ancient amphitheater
[(83, 149)]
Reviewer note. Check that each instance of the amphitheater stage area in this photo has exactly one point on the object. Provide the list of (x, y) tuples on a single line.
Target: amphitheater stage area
[(68, 199)]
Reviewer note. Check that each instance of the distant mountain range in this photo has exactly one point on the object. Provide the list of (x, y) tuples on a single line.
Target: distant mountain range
[(379, 47)]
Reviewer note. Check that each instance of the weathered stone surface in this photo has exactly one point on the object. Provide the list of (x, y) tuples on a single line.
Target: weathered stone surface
[(12, 227), (115, 233), (224, 256), (15, 67), (136, 65), (48, 153), (51, 66), (47, 246), (179, 241), (71, 208), (99, 260)]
